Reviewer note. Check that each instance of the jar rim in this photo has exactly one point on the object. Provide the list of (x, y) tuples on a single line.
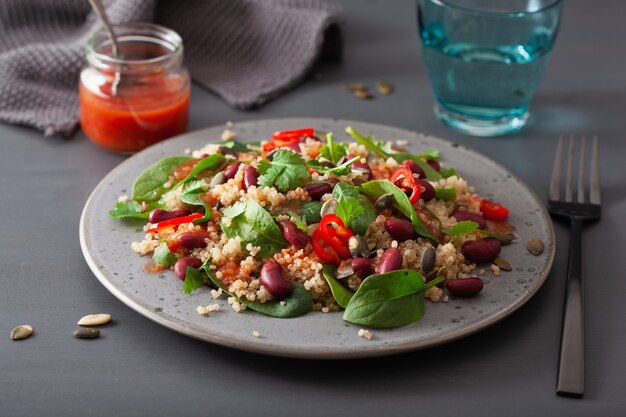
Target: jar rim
[(167, 38)]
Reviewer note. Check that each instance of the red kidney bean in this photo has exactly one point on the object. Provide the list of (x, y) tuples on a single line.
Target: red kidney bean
[(434, 164), (274, 279), (465, 287), (204, 155), (428, 192), (317, 190), (331, 180), (481, 251), (416, 169), (159, 215), (192, 240), (363, 267), (292, 234), (231, 170), (400, 230), (250, 177), (360, 165), (180, 267), (461, 216), (390, 261)]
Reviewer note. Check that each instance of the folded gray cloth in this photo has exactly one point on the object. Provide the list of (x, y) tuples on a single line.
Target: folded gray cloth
[(246, 51)]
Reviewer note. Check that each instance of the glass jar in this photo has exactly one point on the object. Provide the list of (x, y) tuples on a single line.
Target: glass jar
[(139, 97)]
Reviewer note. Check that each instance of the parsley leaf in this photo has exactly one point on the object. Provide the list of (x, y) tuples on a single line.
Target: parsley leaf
[(333, 151), (463, 228), (299, 220), (286, 171), (194, 278), (131, 209)]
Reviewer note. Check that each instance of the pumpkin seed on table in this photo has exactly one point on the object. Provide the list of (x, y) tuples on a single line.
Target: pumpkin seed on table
[(535, 246), (363, 94), (86, 333), (21, 332), (384, 88), (94, 319), (502, 264), (352, 87)]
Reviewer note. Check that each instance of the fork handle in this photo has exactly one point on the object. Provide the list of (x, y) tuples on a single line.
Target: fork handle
[(571, 376)]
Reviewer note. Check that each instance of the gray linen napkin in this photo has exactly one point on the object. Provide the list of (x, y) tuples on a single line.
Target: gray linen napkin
[(246, 51)]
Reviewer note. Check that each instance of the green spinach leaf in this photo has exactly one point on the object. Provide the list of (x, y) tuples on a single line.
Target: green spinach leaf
[(340, 293), (210, 162), (163, 256), (374, 189), (149, 185), (389, 300), (194, 199), (242, 147), (311, 211), (253, 224), (286, 171), (356, 212)]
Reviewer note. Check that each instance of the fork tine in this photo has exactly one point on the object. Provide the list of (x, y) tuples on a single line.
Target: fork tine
[(568, 180), (555, 182), (594, 176), (581, 172)]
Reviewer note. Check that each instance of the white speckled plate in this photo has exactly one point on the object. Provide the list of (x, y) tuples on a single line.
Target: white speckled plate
[(106, 246)]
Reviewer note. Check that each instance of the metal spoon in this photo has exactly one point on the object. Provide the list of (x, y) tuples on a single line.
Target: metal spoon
[(102, 14)]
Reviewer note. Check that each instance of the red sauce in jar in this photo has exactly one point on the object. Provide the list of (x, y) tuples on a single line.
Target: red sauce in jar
[(151, 99), (133, 120)]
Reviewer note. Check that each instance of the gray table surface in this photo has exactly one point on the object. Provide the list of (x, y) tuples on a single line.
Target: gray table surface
[(140, 368)]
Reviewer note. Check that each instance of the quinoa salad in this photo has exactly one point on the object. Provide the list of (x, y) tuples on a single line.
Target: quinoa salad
[(300, 222)]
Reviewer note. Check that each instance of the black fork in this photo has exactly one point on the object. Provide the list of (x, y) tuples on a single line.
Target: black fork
[(571, 376)]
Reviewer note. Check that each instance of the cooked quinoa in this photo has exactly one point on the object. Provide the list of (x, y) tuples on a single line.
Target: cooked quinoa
[(237, 263)]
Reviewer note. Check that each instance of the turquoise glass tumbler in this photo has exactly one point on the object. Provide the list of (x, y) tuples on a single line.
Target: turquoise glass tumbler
[(485, 59)]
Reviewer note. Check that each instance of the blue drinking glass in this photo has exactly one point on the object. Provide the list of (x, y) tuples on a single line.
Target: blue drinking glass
[(485, 59)]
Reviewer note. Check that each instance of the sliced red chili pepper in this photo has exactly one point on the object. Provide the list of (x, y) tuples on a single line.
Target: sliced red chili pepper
[(493, 211), (330, 239), (407, 182), (167, 224), (286, 137), (325, 253), (297, 133)]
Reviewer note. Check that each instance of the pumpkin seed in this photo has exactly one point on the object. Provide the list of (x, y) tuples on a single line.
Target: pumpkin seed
[(21, 332), (359, 180), (502, 264), (225, 150), (535, 246), (363, 94), (384, 88), (86, 333), (384, 202), (344, 270), (219, 178), (503, 238), (358, 247), (94, 319), (427, 260), (329, 207)]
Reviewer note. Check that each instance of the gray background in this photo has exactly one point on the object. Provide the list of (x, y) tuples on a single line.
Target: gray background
[(140, 368)]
